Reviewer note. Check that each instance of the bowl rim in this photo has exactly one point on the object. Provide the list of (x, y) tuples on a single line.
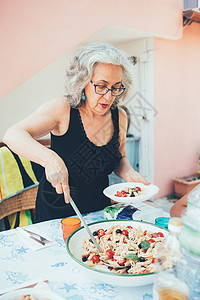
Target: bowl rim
[(107, 272)]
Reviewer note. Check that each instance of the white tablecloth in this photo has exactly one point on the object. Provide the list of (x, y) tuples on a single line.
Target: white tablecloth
[(19, 264)]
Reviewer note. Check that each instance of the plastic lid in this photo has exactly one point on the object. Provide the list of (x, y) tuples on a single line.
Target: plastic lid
[(175, 224), (162, 221)]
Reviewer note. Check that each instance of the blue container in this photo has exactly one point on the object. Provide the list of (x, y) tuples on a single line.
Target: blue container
[(162, 221)]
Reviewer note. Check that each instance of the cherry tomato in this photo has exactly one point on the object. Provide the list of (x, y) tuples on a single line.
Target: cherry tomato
[(151, 241), (125, 232), (123, 192), (95, 259), (124, 195), (130, 227), (113, 259), (153, 261), (110, 253), (117, 194), (160, 234), (145, 232), (145, 271), (101, 232), (138, 188), (121, 263)]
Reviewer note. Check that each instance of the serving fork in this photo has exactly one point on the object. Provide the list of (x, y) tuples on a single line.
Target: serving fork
[(92, 237)]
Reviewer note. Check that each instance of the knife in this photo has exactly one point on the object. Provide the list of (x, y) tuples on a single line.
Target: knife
[(35, 239), (35, 235)]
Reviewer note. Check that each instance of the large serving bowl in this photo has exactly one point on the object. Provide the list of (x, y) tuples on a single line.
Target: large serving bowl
[(75, 249)]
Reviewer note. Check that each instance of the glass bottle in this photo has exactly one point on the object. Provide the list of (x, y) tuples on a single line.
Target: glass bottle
[(167, 286), (188, 268)]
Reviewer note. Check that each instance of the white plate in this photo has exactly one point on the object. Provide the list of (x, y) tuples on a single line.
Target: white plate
[(75, 249), (40, 294), (148, 192)]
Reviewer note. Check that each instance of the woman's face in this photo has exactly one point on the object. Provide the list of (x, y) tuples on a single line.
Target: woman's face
[(107, 75)]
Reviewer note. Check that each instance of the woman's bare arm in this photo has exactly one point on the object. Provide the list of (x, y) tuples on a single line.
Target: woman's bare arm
[(179, 206), (22, 139)]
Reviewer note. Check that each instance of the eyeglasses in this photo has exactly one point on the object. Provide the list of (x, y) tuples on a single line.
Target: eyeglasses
[(102, 89)]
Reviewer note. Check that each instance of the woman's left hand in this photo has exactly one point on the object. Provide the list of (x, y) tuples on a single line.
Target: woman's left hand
[(126, 172), (133, 176)]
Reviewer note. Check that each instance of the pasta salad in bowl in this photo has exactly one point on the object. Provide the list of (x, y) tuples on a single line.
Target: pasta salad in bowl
[(129, 247)]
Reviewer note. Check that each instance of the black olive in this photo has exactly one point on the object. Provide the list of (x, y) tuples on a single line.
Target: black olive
[(117, 242), (139, 246), (127, 269), (132, 195), (118, 231), (84, 258), (95, 233), (142, 259)]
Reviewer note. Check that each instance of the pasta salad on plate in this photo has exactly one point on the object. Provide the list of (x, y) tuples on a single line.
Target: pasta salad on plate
[(130, 192)]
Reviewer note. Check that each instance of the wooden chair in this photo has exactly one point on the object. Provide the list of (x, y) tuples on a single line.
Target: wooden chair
[(19, 179), (23, 200)]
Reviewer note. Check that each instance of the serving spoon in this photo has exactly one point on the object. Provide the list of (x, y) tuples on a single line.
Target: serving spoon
[(92, 237)]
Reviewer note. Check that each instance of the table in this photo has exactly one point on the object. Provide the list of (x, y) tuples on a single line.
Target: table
[(19, 264)]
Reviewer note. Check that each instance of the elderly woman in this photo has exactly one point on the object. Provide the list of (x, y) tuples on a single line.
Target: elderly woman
[(88, 134)]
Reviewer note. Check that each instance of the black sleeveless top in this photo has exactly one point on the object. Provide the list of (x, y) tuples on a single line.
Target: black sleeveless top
[(88, 166)]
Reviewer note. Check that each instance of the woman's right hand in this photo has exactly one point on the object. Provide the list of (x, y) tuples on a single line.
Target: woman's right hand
[(57, 174)]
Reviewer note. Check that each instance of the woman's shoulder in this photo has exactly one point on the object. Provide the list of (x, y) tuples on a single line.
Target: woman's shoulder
[(122, 116), (59, 107), (59, 103), (61, 111)]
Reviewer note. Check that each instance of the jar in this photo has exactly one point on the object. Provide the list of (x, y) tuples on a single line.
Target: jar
[(188, 267), (167, 285), (188, 270)]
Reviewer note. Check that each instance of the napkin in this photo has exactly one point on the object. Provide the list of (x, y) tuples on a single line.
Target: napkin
[(28, 284), (33, 244), (38, 288)]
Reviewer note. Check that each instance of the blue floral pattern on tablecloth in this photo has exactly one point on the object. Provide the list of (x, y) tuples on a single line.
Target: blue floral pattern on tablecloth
[(16, 277), (20, 264)]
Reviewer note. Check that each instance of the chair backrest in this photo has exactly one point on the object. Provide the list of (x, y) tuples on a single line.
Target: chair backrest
[(18, 182), (22, 201)]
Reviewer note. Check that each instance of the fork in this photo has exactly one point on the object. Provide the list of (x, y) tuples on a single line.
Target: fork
[(40, 238)]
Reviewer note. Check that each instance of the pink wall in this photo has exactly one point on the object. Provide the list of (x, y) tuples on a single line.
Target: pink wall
[(177, 99), (33, 33)]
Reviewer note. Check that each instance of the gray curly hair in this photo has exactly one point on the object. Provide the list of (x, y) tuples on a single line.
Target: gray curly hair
[(81, 68)]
